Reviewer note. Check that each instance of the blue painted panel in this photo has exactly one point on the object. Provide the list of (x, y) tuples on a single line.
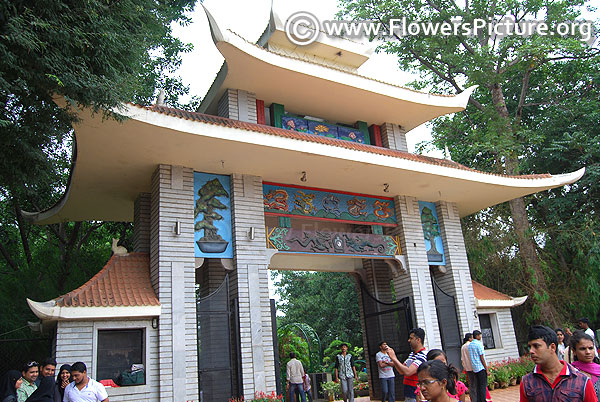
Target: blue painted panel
[(350, 134), (432, 233), (215, 211), (324, 129), (298, 201), (294, 123)]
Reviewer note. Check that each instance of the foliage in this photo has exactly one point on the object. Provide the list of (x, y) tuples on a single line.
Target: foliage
[(363, 376), (535, 110), (261, 397), (332, 388), (206, 204), (507, 369), (361, 385), (307, 297), (334, 349), (308, 335), (56, 56)]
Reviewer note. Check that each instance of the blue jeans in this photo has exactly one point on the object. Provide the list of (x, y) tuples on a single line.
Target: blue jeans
[(300, 388), (388, 389)]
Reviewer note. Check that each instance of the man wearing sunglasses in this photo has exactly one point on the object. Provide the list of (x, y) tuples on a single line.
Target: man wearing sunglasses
[(30, 373)]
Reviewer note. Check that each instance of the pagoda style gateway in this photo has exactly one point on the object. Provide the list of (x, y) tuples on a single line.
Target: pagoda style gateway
[(293, 161)]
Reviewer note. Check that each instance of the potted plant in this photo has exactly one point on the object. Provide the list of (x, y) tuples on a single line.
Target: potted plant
[(361, 388), (503, 376), (331, 389), (207, 204), (492, 380)]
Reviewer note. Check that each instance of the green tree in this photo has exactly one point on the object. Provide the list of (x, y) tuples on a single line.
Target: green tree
[(206, 204), (494, 133), (55, 56), (327, 301)]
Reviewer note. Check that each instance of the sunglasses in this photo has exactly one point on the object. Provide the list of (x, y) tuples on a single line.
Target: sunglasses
[(32, 364), (426, 383)]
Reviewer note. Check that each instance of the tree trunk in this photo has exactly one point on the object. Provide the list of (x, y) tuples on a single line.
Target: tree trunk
[(538, 287)]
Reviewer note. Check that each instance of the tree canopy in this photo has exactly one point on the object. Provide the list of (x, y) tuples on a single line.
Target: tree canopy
[(327, 301), (56, 56), (531, 113)]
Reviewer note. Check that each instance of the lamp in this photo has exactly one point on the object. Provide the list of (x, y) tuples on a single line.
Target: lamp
[(177, 228), (251, 233), (155, 323)]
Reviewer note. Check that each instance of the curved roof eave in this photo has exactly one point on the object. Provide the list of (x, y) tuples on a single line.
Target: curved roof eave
[(318, 90), (105, 184)]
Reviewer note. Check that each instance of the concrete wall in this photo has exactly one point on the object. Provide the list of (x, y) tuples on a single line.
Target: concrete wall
[(238, 104), (393, 137), (416, 281), (457, 279), (173, 277), (250, 283), (504, 335), (77, 341), (141, 223)]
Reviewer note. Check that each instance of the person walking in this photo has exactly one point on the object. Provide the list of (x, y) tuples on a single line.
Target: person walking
[(479, 365), (84, 388), (465, 359), (345, 373), (551, 378), (295, 374)]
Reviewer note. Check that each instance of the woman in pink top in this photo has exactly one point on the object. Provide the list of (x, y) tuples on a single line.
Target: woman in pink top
[(460, 388)]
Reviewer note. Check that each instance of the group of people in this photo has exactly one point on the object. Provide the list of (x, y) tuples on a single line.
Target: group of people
[(567, 369), (39, 383), (425, 372)]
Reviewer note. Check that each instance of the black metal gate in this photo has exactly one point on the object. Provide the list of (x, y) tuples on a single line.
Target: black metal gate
[(215, 368), (448, 323), (389, 322)]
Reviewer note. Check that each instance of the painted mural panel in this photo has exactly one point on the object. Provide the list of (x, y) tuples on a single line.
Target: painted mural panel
[(432, 233), (288, 200), (327, 130), (212, 216), (338, 243)]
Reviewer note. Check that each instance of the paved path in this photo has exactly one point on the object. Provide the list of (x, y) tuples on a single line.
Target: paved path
[(510, 394)]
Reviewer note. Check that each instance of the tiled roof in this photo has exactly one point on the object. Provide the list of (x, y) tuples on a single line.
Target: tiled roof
[(280, 132), (484, 293), (124, 281)]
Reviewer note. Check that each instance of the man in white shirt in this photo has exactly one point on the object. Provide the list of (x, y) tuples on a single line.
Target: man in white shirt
[(83, 388), (386, 373), (295, 381), (584, 324)]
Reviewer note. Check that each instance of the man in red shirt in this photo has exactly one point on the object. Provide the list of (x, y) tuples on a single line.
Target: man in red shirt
[(552, 379)]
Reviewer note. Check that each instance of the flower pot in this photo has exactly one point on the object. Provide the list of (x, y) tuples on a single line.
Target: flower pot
[(212, 246), (491, 386), (331, 398), (513, 381), (504, 384)]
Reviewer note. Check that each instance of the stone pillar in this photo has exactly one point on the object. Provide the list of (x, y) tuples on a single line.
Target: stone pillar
[(173, 278), (457, 279), (251, 283), (394, 137), (416, 281), (141, 224), (238, 104)]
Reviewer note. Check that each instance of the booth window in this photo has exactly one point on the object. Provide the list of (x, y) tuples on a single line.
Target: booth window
[(120, 356), (487, 333)]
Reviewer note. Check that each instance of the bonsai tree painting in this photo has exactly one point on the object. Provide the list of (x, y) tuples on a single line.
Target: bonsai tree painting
[(207, 204), (431, 230)]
